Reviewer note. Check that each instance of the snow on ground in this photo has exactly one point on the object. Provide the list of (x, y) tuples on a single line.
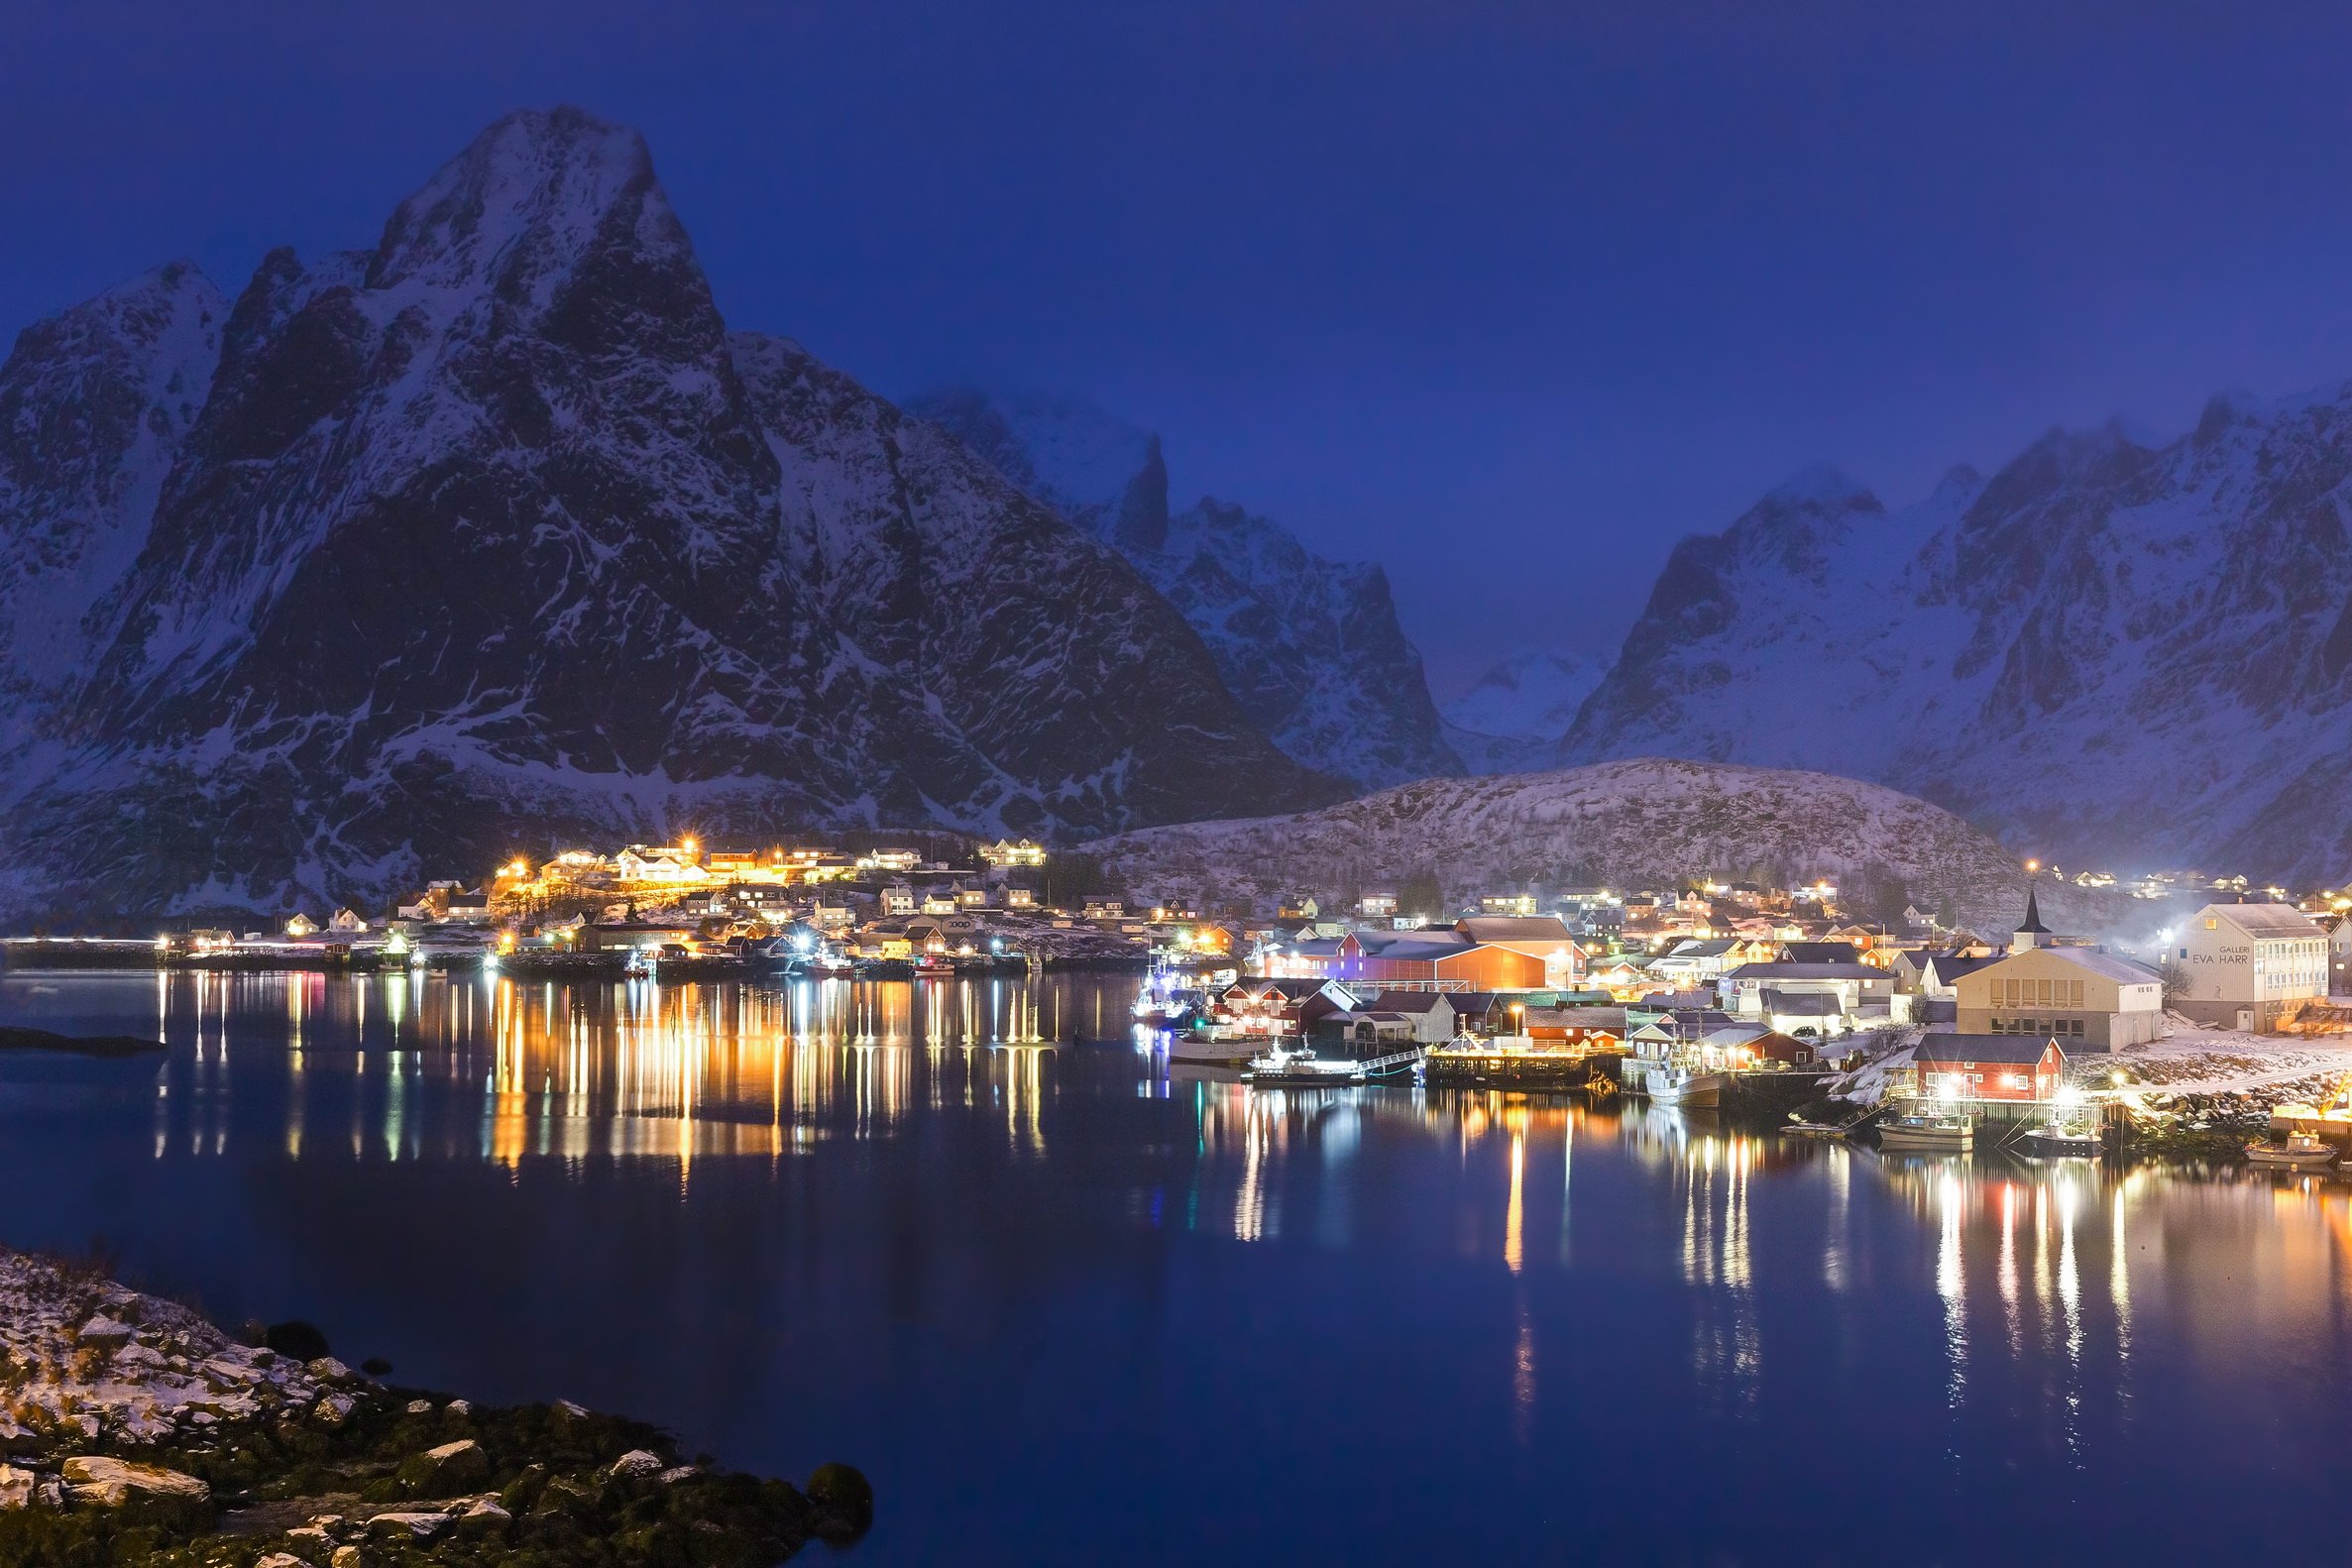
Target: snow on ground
[(81, 1357), (2194, 1059), (2269, 1069)]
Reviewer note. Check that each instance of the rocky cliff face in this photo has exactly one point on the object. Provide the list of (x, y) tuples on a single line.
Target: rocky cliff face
[(2132, 655), (1311, 648), (94, 408), (495, 535)]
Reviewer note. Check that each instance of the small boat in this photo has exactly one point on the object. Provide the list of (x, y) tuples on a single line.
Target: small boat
[(1208, 1050), (1941, 1133), (1690, 1091), (1280, 1068), (934, 966), (1165, 1009), (1805, 1129), (2057, 1141), (2301, 1151)]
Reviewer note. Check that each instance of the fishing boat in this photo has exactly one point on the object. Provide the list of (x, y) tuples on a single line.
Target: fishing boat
[(2300, 1151), (1686, 1090), (1302, 1069), (1165, 1007), (1804, 1129), (2059, 1141), (1213, 1047), (934, 966), (1939, 1132)]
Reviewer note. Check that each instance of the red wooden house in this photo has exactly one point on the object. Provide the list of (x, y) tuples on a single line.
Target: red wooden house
[(2013, 1067)]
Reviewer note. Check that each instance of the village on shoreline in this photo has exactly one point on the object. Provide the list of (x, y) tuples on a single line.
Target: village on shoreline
[(1711, 994)]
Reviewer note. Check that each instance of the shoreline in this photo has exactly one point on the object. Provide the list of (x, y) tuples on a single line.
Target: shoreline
[(134, 1430)]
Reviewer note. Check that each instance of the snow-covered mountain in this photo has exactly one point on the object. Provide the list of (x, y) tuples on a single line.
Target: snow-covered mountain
[(1512, 718), (494, 536), (1311, 648), (1642, 823), (2128, 654)]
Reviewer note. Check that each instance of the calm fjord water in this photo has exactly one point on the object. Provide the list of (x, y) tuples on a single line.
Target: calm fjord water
[(1065, 1309)]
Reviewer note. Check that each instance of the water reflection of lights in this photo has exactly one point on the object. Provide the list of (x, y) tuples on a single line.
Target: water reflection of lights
[(624, 1071)]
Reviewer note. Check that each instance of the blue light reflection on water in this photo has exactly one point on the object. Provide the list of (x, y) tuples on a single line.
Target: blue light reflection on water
[(1064, 1308)]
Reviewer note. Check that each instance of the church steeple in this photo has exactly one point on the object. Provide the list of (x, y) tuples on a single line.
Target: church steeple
[(2032, 933)]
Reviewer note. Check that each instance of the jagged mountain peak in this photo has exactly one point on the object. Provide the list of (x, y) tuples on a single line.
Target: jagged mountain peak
[(530, 196), (1822, 487), (2118, 647), (1310, 647)]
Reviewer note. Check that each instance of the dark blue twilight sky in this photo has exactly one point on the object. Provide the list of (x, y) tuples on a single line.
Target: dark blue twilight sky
[(1508, 297)]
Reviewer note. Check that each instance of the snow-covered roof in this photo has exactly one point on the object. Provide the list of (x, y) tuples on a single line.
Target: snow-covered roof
[(1941, 1047), (2120, 969), (2267, 920)]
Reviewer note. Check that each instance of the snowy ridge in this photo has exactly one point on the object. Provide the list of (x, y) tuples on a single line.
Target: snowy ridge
[(1310, 648), (2109, 652), (1643, 823), (495, 537)]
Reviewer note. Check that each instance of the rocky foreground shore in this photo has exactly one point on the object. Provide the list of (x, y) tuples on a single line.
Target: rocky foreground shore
[(137, 1432)]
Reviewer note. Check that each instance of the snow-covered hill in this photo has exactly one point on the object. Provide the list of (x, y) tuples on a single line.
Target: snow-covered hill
[(1311, 648), (1643, 823), (2112, 653), (493, 536)]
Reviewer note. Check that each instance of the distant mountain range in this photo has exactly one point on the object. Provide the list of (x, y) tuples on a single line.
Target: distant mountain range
[(1512, 718), (495, 536), (1310, 648), (2119, 654)]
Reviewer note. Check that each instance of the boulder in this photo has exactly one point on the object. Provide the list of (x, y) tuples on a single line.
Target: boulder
[(843, 1492), (104, 1333), (348, 1557), (279, 1560), (333, 1410), (326, 1369), (420, 1407), (636, 1465), (16, 1487), (312, 1539), (419, 1525), (148, 1492), (452, 1467), (483, 1517)]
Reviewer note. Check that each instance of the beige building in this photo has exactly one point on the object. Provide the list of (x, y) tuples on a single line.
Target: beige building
[(2079, 996), (2249, 965)]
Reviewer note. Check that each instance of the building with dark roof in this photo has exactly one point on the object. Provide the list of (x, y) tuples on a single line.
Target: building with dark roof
[(1995, 1067)]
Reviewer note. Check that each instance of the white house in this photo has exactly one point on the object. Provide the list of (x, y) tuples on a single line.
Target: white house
[(636, 864), (2249, 965), (1764, 991)]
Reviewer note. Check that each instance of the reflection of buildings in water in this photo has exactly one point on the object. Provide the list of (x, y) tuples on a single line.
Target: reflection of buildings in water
[(2056, 1269), (630, 1070), (1714, 1177)]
